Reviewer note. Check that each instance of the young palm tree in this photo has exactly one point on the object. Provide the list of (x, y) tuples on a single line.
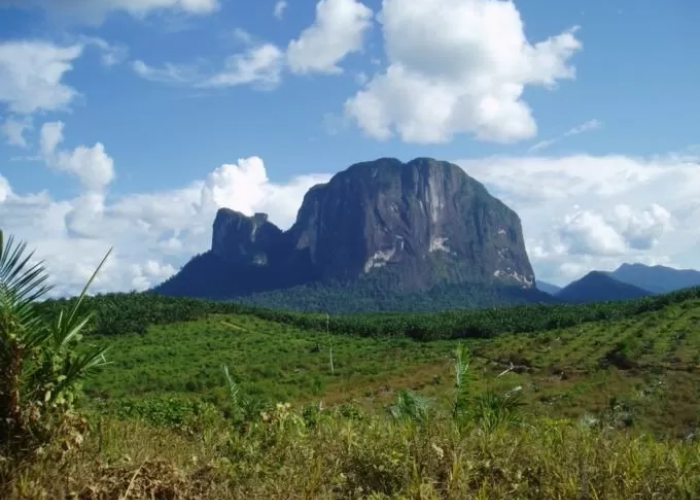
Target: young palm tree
[(40, 365)]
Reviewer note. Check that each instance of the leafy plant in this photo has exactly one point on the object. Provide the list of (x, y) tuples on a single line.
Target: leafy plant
[(461, 401), (488, 410), (492, 409), (42, 366), (410, 406)]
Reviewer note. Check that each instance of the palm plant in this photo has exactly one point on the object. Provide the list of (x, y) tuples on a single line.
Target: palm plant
[(41, 366), (461, 401), (410, 406), (488, 410), (491, 410)]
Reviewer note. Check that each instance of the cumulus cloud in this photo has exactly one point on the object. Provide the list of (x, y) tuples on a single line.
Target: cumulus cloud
[(31, 75), (596, 212), (245, 187), (152, 234), (338, 30), (623, 229), (93, 167), (458, 66), (94, 11)]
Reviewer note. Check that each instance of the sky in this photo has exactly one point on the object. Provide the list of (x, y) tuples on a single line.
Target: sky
[(126, 124)]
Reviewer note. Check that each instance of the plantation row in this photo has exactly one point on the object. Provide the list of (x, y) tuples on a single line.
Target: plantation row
[(135, 312)]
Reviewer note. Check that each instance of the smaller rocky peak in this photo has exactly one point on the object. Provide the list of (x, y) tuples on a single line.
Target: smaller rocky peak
[(244, 239)]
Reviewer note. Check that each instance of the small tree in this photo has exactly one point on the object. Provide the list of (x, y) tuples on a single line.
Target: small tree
[(41, 366)]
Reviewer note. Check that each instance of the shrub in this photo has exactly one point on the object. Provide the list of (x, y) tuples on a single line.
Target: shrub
[(41, 365)]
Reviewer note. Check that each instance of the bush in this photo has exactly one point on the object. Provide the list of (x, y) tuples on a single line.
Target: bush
[(41, 365)]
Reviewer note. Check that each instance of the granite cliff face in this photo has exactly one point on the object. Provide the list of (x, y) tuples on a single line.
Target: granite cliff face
[(408, 226), (245, 240)]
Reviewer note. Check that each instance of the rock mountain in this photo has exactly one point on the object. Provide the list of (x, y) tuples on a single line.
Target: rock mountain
[(403, 227)]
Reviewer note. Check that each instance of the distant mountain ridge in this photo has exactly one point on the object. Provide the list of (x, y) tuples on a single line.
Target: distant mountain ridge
[(628, 281), (383, 226), (656, 279), (598, 286)]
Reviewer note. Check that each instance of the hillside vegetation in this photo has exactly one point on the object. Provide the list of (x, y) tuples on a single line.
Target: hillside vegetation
[(642, 370), (134, 312)]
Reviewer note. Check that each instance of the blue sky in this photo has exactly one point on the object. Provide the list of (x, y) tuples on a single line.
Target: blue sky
[(128, 123)]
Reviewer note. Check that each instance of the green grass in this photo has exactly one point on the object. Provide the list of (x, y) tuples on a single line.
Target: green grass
[(562, 372), (267, 359)]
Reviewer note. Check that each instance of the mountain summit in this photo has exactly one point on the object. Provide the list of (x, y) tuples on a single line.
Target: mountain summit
[(404, 227), (598, 286)]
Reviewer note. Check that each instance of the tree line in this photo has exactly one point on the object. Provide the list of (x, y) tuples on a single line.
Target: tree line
[(119, 313)]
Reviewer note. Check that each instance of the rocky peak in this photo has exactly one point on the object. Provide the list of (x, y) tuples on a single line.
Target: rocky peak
[(394, 226), (242, 239), (426, 219)]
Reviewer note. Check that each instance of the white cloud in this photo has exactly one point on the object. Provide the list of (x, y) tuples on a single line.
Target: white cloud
[(458, 66), (14, 128), (621, 231), (51, 136), (93, 167), (31, 75), (585, 212), (279, 9), (111, 54), (5, 190), (94, 11), (174, 74), (259, 66), (338, 30), (579, 129), (588, 233), (246, 188)]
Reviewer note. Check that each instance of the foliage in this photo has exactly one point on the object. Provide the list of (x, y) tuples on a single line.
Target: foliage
[(492, 409), (369, 458), (461, 398), (566, 372), (136, 312), (41, 365), (164, 411), (410, 406)]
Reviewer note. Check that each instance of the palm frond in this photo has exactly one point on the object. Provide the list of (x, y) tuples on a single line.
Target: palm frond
[(21, 285), (410, 406)]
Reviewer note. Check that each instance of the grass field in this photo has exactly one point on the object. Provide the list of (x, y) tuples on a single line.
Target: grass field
[(639, 371)]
